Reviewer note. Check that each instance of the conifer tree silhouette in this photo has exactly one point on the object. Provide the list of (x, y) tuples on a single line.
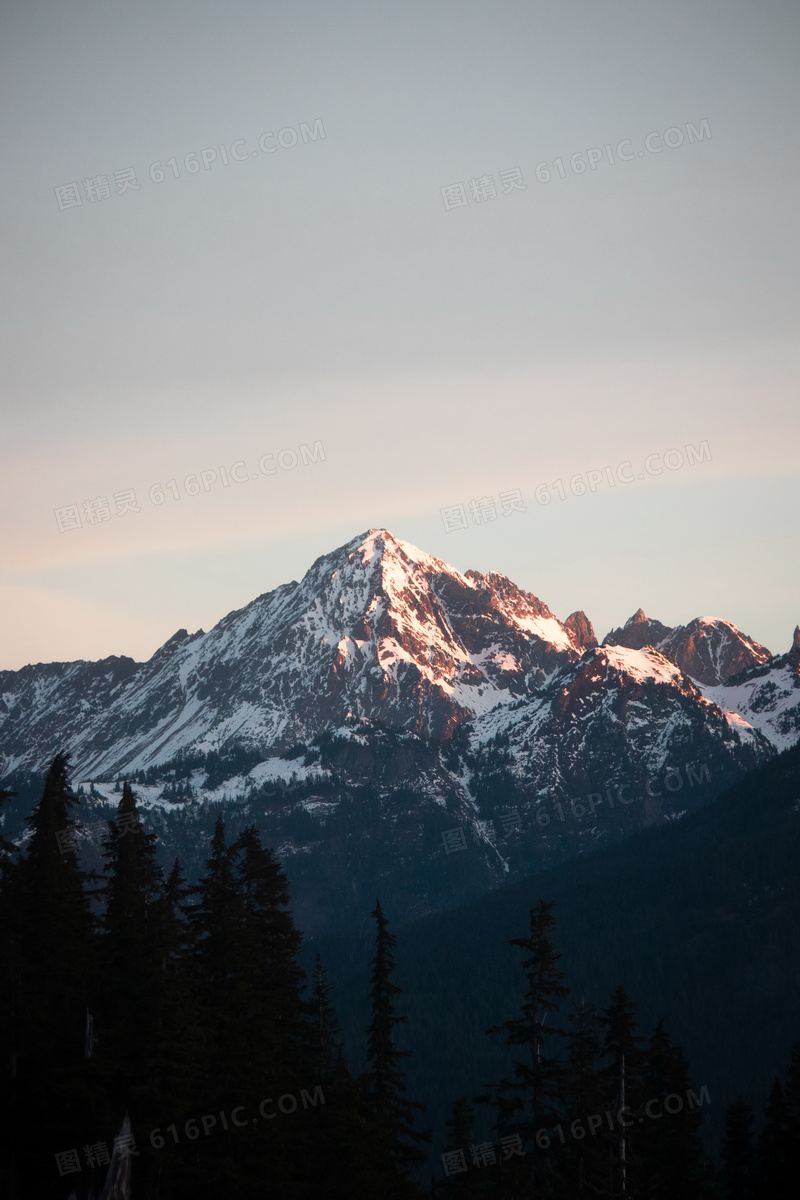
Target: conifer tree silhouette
[(396, 1141)]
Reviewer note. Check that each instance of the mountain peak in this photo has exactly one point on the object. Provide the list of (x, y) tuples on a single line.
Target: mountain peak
[(638, 631), (637, 618), (377, 544), (712, 650), (377, 629), (581, 629)]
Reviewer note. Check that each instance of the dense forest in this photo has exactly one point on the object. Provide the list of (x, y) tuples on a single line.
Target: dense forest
[(163, 1040), (698, 918)]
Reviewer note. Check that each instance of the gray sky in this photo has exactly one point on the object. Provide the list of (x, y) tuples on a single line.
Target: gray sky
[(320, 290)]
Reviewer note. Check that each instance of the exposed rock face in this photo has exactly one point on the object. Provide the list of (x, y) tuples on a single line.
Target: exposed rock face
[(708, 649), (712, 651), (362, 713), (377, 629), (638, 631), (580, 627), (618, 715)]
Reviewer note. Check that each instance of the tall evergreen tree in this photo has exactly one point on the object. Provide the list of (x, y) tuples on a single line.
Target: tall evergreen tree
[(6, 848), (216, 923), (672, 1151), (328, 1052), (625, 1093), (9, 991), (52, 1104), (737, 1174), (130, 958), (396, 1141), (526, 1104), (582, 1095), (216, 972), (276, 1017), (773, 1168), (338, 1141), (792, 1093), (469, 1184), (173, 1067), (274, 1022)]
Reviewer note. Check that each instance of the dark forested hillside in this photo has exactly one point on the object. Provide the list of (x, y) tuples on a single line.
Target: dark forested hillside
[(699, 920), (141, 1017)]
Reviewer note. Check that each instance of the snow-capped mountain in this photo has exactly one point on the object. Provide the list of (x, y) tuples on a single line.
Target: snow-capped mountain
[(619, 716), (766, 696), (376, 630), (709, 650), (756, 690), (386, 697)]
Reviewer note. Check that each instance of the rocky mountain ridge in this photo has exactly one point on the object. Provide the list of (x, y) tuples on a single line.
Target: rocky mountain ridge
[(709, 650), (387, 711), (377, 631)]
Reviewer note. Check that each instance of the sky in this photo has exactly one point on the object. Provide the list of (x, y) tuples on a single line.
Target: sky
[(276, 273)]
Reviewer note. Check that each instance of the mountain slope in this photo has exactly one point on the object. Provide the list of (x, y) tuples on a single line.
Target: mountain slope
[(709, 650), (387, 692), (699, 920), (376, 629)]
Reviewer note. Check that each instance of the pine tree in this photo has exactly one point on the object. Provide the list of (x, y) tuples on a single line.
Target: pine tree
[(216, 923), (173, 1068), (337, 1142), (328, 1051), (792, 1092), (624, 1093), (774, 1148), (274, 1022), (53, 1104), (130, 958), (671, 1148), (396, 1142), (6, 848), (526, 1105), (582, 1099), (9, 991), (469, 1184), (275, 1019), (216, 973), (737, 1172), (256, 1036)]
